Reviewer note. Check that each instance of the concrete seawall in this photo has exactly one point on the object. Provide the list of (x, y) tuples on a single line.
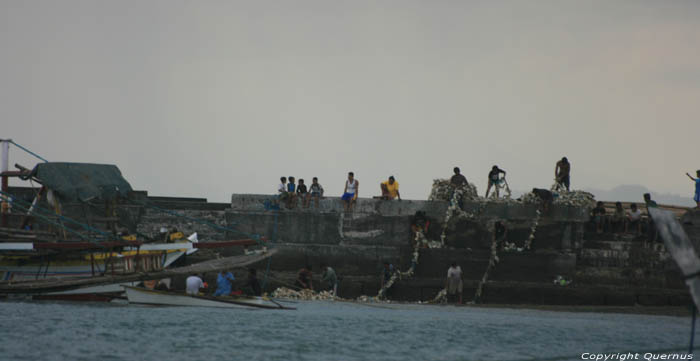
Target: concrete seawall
[(606, 269)]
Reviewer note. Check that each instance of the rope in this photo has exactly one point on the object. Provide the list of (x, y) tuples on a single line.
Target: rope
[(28, 151), (61, 217), (59, 225)]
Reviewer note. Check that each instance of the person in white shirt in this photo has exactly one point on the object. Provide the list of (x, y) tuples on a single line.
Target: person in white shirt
[(634, 217), (282, 193), (194, 283), (351, 191), (454, 281)]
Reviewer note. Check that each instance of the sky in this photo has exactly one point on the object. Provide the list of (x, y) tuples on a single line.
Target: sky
[(210, 98)]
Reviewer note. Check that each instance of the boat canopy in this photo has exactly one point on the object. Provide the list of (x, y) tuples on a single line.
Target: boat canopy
[(82, 181)]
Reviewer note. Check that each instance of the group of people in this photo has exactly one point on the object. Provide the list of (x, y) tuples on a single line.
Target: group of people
[(329, 279), (224, 284), (290, 192), (620, 219)]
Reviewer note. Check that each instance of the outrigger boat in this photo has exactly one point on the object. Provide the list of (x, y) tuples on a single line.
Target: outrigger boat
[(45, 254), (144, 296)]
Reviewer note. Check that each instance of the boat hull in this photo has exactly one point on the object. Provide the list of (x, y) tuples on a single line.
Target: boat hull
[(144, 296)]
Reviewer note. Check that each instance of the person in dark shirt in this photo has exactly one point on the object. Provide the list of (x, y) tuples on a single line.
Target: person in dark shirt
[(562, 172), (545, 196), (252, 286), (653, 231), (598, 215), (494, 179), (649, 202), (305, 278), (301, 189), (458, 179)]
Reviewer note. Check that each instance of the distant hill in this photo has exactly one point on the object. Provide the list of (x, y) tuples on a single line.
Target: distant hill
[(633, 193)]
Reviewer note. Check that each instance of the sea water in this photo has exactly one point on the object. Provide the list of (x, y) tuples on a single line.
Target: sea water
[(326, 331)]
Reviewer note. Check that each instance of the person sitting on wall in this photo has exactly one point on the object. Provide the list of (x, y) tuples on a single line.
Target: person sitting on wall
[(598, 217), (696, 198), (351, 191), (305, 278), (315, 192), (291, 191), (562, 173), (390, 189), (454, 283), (302, 192), (330, 279), (634, 218), (282, 189), (494, 180), (223, 283), (618, 218)]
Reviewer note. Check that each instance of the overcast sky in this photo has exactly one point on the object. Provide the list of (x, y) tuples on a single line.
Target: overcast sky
[(209, 98)]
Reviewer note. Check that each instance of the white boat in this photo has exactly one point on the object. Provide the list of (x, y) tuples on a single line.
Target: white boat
[(144, 296)]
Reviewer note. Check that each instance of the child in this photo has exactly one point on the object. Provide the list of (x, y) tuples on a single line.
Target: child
[(301, 191), (315, 192), (291, 189)]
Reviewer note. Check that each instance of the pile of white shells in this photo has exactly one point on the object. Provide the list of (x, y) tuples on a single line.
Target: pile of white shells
[(304, 294), (575, 198), (443, 190)]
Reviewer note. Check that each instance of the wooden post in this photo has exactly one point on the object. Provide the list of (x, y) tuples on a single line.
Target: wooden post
[(4, 167), (92, 263)]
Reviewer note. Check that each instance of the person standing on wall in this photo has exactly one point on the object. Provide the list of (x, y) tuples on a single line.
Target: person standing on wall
[(562, 173), (494, 180), (697, 187)]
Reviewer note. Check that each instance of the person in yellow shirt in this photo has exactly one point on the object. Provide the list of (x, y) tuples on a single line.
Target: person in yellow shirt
[(390, 189)]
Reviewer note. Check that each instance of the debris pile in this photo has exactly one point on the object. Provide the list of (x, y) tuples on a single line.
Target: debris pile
[(304, 294), (443, 190), (575, 198)]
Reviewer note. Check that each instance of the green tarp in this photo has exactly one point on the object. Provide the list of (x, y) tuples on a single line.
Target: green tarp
[(82, 181)]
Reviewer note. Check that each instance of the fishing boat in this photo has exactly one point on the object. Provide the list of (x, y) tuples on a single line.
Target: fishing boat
[(144, 296), (77, 237)]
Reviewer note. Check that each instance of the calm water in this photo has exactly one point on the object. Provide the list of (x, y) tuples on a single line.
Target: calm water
[(323, 331)]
